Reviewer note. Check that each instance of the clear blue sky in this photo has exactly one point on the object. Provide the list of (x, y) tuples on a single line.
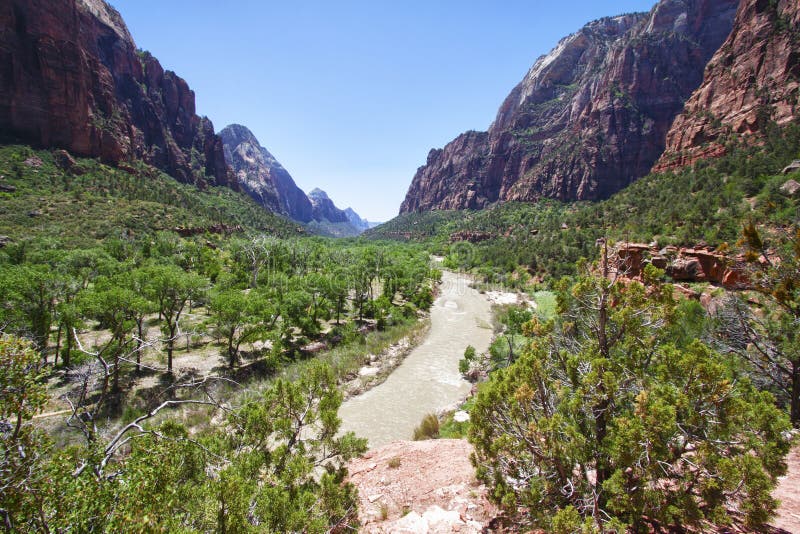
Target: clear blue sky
[(351, 95)]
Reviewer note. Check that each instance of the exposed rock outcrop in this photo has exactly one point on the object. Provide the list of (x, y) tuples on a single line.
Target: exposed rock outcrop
[(588, 119), (681, 264), (72, 78), (356, 220), (262, 176), (421, 486), (323, 208), (753, 78)]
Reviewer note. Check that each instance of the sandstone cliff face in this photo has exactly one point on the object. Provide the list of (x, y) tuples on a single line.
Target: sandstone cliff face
[(588, 119), (71, 77), (261, 176), (753, 78)]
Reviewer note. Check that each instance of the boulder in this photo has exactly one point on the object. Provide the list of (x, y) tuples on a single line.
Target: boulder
[(792, 167), (790, 188)]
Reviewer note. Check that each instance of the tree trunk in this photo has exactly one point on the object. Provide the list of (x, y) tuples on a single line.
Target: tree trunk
[(140, 336), (68, 350), (231, 352), (58, 346), (170, 347)]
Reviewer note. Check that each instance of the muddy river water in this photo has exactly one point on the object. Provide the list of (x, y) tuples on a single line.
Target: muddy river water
[(428, 379)]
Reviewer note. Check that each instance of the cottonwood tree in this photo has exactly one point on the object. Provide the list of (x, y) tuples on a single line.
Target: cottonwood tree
[(240, 317), (171, 288), (604, 421), (30, 293), (117, 309)]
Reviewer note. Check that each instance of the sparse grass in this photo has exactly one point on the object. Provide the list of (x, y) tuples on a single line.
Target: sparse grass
[(545, 304), (384, 511), (428, 428), (394, 463)]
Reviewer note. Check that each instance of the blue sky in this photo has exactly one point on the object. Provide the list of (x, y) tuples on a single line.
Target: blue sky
[(351, 95)]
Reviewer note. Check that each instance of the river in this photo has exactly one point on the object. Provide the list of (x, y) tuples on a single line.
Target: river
[(428, 379)]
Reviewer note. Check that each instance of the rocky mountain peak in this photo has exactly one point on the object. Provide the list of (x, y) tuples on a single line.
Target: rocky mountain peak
[(109, 16), (318, 194), (75, 80), (324, 208), (588, 118), (262, 176)]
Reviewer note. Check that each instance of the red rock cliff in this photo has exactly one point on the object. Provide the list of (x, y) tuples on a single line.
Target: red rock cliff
[(754, 77), (588, 119), (71, 77)]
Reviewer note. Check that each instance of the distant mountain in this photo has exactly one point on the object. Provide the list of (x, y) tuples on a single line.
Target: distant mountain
[(271, 185), (324, 209), (262, 177), (73, 78), (330, 220), (589, 118), (358, 222)]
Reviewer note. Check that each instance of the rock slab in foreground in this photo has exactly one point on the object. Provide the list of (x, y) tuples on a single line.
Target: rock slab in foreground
[(420, 486)]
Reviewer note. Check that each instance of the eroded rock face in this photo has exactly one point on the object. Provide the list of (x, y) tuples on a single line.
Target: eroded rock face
[(588, 119), (71, 77), (681, 264), (753, 78), (262, 176), (323, 208)]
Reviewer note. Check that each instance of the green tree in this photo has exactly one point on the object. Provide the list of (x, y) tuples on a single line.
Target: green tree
[(116, 308), (604, 417), (768, 338), (23, 448), (285, 438), (241, 317), (30, 295), (170, 288)]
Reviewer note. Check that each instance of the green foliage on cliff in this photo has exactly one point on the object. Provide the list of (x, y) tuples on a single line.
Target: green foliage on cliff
[(94, 201), (709, 202)]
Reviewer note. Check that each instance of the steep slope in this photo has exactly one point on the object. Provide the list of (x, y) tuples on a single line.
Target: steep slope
[(356, 220), (324, 208), (73, 78), (261, 176), (752, 79), (588, 119)]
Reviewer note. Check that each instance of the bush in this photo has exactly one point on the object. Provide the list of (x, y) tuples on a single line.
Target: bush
[(625, 423), (428, 428)]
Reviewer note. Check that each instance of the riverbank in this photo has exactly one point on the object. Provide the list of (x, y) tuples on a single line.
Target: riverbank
[(428, 380)]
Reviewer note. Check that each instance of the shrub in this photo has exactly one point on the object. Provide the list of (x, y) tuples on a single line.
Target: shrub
[(428, 428)]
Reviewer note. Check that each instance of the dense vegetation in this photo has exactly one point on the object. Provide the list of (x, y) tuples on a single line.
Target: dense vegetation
[(616, 417), (611, 405), (134, 329), (141, 299)]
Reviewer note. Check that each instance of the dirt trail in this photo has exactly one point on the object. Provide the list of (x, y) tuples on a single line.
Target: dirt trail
[(788, 492)]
